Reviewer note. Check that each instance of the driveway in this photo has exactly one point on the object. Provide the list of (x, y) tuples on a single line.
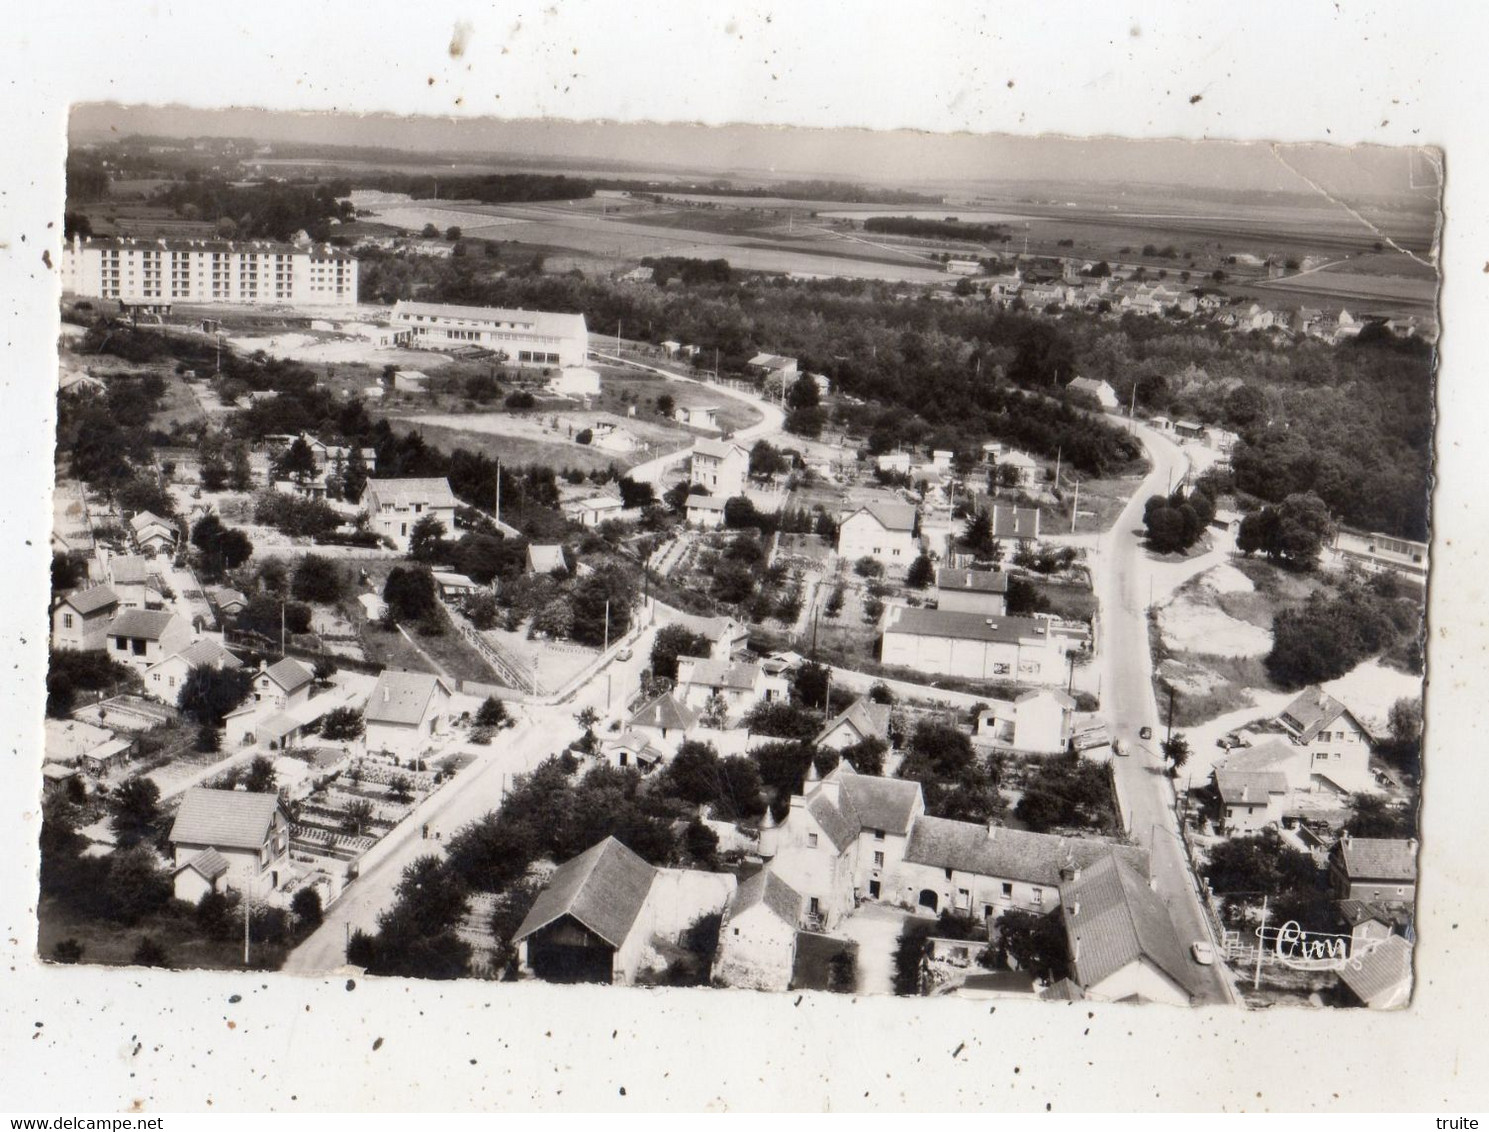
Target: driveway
[(876, 929)]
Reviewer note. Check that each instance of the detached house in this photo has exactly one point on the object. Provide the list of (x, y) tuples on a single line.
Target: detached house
[(1105, 395), (1122, 943), (164, 679), (80, 620), (1374, 869), (1338, 746), (664, 722), (972, 591), (741, 685), (883, 531), (1041, 722), (230, 836), (720, 467), (283, 684), (1250, 800), (406, 711), (152, 534), (144, 637), (394, 507), (863, 719)]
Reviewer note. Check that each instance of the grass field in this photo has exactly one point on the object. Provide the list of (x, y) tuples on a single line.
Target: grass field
[(114, 944), (448, 650), (512, 450)]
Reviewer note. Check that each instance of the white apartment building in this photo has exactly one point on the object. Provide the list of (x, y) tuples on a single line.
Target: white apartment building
[(157, 273), (536, 338)]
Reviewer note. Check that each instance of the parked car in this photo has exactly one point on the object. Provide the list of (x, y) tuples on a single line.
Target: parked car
[(625, 653), (1118, 748), (1204, 954), (1145, 733)]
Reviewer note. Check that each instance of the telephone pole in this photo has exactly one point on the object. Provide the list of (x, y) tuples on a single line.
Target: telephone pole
[(1075, 505)]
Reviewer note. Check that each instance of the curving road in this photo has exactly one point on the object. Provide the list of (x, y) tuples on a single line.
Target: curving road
[(1128, 699), (771, 422)]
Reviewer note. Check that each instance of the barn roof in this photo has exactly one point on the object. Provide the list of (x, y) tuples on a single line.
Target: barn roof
[(1014, 854), (604, 888), (770, 890)]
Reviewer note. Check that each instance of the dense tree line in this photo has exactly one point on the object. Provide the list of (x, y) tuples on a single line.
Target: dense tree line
[(489, 188), (271, 210), (948, 229), (1328, 635)]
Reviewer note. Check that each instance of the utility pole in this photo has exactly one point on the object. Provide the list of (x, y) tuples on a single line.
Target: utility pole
[(1132, 409), (246, 902), (498, 490), (607, 626), (1256, 979), (281, 628), (1170, 716), (1075, 505), (1058, 453)]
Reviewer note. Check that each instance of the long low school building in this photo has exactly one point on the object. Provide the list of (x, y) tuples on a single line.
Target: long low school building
[(537, 338), (1028, 650)]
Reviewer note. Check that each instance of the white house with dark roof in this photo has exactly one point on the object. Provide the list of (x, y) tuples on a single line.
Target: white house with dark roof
[(883, 530), (862, 719), (1105, 395), (1250, 800), (741, 685), (143, 637), (1337, 744), (721, 467), (164, 679), (251, 832), (1122, 942), (664, 722), (395, 506), (406, 712), (972, 591), (152, 534), (1041, 722), (1025, 650), (80, 620), (202, 873), (706, 511), (631, 750), (282, 684), (757, 937), (1374, 869), (130, 578), (595, 919), (705, 418)]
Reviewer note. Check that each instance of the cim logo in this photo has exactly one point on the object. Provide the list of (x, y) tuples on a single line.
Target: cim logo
[(1291, 946)]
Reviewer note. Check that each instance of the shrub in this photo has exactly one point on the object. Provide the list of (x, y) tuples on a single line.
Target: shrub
[(306, 906)]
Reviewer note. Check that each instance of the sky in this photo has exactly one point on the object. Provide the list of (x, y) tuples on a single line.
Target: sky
[(894, 156)]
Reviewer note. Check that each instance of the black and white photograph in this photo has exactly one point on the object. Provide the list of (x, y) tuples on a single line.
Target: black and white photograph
[(744, 567)]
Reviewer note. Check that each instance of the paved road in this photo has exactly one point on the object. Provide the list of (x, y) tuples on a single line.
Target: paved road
[(771, 422), (1128, 699), (541, 732)]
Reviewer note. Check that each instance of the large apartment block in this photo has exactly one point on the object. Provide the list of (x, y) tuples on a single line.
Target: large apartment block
[(536, 338), (158, 273)]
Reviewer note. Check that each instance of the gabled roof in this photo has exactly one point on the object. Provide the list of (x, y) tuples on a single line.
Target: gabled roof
[(226, 595), (864, 716), (208, 652), (67, 740), (1090, 384), (840, 830), (1312, 711), (1014, 854), (209, 862), (873, 802), (224, 819), (147, 519), (1112, 918), (402, 697), (1266, 756), (890, 516), (147, 624), (431, 491), (92, 599), (604, 888), (718, 449), (546, 559), (1063, 990), (1015, 522), (128, 569), (666, 713), (770, 890), (1389, 913), (289, 674), (705, 503), (1379, 858), (1055, 694), (736, 674), (1249, 786), (546, 323), (1382, 981), (972, 581)]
